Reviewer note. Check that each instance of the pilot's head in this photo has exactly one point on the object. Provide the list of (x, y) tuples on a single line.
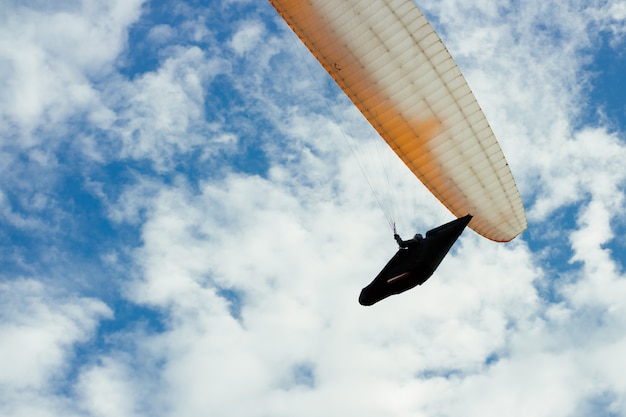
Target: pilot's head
[(418, 237)]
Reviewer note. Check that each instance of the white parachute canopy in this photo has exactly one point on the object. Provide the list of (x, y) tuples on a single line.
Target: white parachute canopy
[(390, 62)]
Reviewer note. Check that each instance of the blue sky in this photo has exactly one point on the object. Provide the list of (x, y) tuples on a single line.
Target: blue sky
[(185, 230)]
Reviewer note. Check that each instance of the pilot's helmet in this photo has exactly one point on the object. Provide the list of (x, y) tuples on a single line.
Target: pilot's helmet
[(418, 236)]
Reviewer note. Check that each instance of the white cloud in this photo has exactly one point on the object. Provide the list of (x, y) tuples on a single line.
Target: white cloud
[(39, 331), (17, 219), (247, 37), (107, 390), (588, 164), (616, 17), (49, 58), (161, 34), (161, 113)]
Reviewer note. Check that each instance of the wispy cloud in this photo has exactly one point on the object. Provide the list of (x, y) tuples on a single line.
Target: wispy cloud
[(40, 331)]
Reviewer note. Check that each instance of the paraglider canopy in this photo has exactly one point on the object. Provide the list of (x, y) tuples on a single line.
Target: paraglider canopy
[(392, 65)]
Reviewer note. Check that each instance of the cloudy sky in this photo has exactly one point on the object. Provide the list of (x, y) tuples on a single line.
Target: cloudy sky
[(184, 229)]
